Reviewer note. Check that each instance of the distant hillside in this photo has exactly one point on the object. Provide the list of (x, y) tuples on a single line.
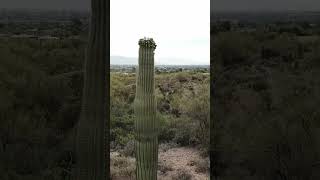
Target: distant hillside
[(121, 60), (266, 17)]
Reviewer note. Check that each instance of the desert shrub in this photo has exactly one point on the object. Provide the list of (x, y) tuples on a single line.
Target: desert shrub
[(312, 60), (122, 130), (129, 149), (284, 46), (39, 109), (269, 131), (181, 131), (185, 132), (122, 167), (182, 77), (167, 129), (121, 110), (170, 115), (194, 105), (233, 48)]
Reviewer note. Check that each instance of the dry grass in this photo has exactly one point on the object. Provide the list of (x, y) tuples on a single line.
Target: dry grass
[(122, 167)]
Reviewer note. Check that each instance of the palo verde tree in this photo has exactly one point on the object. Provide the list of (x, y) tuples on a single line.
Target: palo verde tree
[(93, 127), (146, 125)]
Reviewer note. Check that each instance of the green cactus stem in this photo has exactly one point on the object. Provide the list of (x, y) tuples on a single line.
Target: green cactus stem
[(146, 125), (92, 161)]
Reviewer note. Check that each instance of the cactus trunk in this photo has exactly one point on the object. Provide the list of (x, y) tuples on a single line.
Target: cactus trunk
[(146, 125), (92, 130)]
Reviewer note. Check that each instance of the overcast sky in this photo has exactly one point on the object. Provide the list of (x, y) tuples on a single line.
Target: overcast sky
[(275, 5), (216, 4), (46, 4), (180, 28)]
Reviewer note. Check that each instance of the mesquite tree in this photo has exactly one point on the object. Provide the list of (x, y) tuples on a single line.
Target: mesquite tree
[(146, 125), (93, 127)]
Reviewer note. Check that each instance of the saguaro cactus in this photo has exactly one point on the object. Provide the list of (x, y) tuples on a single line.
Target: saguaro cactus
[(92, 130), (146, 125)]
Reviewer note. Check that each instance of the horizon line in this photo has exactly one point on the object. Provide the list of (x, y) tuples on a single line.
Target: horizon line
[(262, 11), (47, 9), (165, 64)]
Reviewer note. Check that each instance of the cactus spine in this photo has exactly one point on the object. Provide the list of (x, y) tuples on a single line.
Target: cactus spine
[(92, 130), (146, 142)]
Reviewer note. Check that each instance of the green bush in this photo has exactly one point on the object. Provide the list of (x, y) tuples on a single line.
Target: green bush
[(38, 111), (232, 48), (173, 119)]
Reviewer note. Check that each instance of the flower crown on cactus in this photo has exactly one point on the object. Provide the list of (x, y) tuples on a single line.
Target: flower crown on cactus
[(147, 42)]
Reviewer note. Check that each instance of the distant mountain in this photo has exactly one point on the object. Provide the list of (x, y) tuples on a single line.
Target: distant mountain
[(266, 16), (121, 60)]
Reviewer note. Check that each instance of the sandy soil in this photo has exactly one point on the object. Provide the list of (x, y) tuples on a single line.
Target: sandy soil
[(181, 158), (171, 161)]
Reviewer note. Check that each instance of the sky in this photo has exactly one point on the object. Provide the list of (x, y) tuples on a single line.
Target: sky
[(216, 4), (47, 4), (274, 5), (180, 28)]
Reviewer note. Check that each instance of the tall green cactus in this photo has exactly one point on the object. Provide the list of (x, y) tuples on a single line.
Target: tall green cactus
[(93, 130), (146, 125)]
